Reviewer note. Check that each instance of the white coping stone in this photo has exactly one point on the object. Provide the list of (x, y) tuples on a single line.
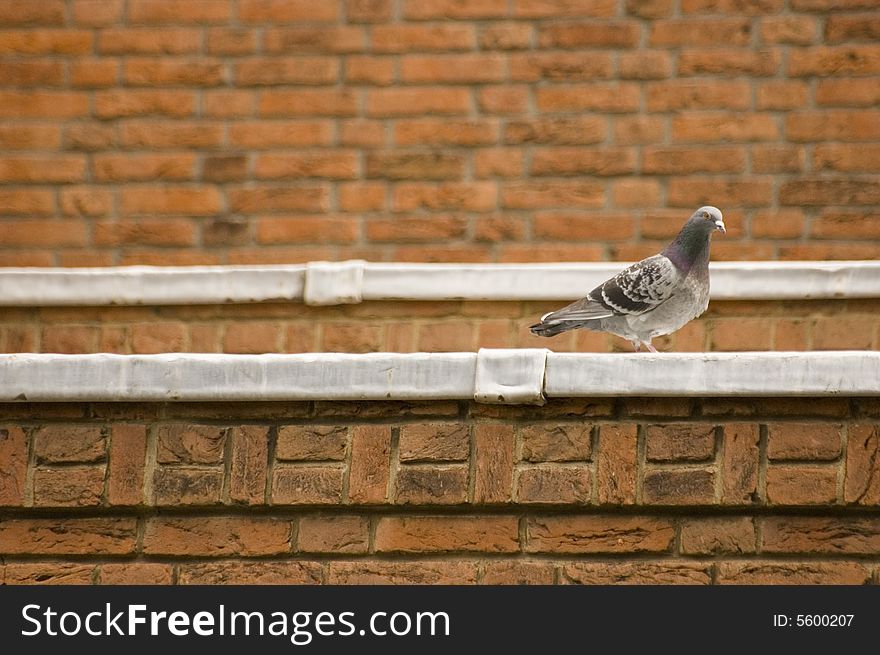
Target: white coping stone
[(714, 374), (433, 376), (334, 283), (510, 375), (344, 282)]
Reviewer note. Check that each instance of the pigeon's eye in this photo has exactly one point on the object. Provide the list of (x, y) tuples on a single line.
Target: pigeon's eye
[(705, 214)]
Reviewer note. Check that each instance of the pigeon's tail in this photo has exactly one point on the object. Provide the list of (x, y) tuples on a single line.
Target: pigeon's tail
[(581, 314), (552, 328)]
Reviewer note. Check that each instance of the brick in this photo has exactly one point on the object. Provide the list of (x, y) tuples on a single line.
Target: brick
[(333, 534), (308, 102), (598, 534), (415, 165), (368, 11), (312, 442), (554, 485), (172, 11), (181, 486), (640, 573), (739, 464), (454, 9), (560, 131), (31, 73), (853, 92), (545, 194), (612, 98), (251, 572), (172, 72), (693, 191), (128, 447), (330, 39), (297, 229), (143, 167), (59, 168), (47, 12), (182, 443), (27, 202), (679, 487), (248, 464), (299, 197), (556, 442), (835, 125), (405, 38), (216, 536), (70, 486), (434, 442), (778, 159), (307, 485), (506, 36), (52, 573), (370, 70), (14, 455), (230, 41), (493, 463), (136, 573), (451, 69), (718, 535), (838, 60), (861, 27), (785, 94), (160, 135), (157, 337), (723, 127), (518, 572), (580, 161), (792, 30), (728, 63), (795, 573), (846, 157), (848, 535), (862, 481), (352, 337), (270, 134), (700, 32), (68, 536), (801, 485), (658, 406), (816, 441), (167, 200), (645, 65), (419, 534), (416, 101), (42, 104), (252, 337), (567, 8), (616, 464), (156, 41), (692, 95), (619, 34), (286, 11), (679, 442), (748, 7), (69, 443), (560, 66), (447, 484), (68, 339), (43, 42), (420, 572), (23, 136), (677, 160)]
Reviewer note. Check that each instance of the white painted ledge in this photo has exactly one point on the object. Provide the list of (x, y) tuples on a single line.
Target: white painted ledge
[(526, 376), (322, 283)]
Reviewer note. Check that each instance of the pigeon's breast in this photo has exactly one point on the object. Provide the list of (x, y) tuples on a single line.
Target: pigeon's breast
[(689, 301)]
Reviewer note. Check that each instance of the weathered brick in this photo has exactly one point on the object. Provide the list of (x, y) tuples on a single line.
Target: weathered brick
[(598, 534), (251, 572), (718, 535), (248, 465), (68, 536), (128, 449), (801, 485), (679, 442), (640, 573), (493, 463), (817, 441), (791, 573), (422, 572), (135, 573), (333, 534), (216, 536), (14, 455), (679, 487), (182, 443), (422, 485), (174, 485), (307, 485), (563, 442), (554, 484), (616, 464), (69, 486), (434, 442), (862, 481), (418, 534), (312, 442), (518, 572), (850, 535)]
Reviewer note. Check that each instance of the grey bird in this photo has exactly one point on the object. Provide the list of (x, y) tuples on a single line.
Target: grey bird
[(653, 297)]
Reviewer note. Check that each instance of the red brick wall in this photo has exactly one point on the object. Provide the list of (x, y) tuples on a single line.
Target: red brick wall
[(579, 491), (420, 326), (230, 131)]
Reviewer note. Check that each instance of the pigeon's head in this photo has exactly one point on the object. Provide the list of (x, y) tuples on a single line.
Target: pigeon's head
[(708, 218)]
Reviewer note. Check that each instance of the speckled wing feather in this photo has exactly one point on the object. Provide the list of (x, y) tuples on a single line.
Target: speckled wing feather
[(635, 290)]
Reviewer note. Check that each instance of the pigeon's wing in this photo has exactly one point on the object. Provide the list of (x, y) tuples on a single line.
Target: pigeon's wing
[(635, 290)]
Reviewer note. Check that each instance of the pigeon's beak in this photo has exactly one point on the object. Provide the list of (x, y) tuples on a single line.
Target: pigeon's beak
[(719, 225)]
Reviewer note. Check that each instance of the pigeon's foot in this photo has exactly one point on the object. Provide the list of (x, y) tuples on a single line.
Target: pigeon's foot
[(649, 346), (636, 344)]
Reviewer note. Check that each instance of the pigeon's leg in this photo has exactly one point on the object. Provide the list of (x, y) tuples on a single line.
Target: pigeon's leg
[(635, 343), (650, 347)]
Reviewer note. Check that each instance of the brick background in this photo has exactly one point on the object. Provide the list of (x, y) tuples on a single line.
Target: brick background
[(245, 131), (420, 326), (585, 491)]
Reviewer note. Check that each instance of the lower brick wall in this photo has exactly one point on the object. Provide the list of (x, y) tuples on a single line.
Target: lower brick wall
[(420, 326), (677, 490)]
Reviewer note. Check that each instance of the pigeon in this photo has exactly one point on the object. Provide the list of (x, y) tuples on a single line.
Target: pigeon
[(653, 297)]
